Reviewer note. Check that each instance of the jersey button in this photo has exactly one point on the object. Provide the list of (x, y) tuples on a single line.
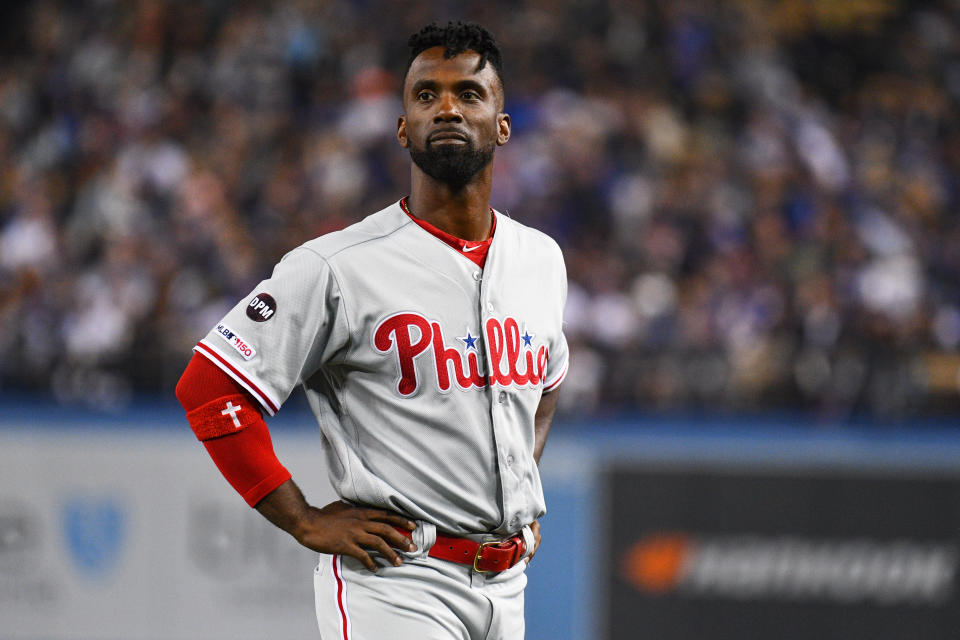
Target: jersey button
[(490, 307), (509, 461), (476, 275), (502, 397)]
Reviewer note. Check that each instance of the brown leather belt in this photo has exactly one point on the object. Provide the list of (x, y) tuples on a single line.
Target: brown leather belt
[(485, 557)]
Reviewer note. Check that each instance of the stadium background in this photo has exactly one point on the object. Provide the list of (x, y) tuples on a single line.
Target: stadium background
[(757, 202)]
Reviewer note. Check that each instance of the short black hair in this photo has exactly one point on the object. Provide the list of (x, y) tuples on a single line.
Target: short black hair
[(457, 37)]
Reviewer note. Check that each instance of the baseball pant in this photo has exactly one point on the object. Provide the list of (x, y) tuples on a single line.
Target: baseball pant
[(423, 599)]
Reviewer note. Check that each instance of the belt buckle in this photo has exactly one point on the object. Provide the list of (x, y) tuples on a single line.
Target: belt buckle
[(476, 558)]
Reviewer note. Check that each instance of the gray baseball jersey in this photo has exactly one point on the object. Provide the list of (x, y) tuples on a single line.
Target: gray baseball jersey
[(424, 371)]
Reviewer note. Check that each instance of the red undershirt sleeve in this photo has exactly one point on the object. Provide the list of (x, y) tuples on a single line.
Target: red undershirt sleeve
[(229, 423)]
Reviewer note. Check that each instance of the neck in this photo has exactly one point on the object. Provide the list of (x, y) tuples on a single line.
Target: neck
[(463, 212)]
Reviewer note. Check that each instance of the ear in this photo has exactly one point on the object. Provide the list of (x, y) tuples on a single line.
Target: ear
[(503, 129), (402, 132)]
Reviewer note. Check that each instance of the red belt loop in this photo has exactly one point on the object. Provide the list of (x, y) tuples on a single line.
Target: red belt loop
[(484, 557)]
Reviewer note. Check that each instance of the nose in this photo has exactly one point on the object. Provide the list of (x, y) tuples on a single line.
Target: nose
[(447, 110)]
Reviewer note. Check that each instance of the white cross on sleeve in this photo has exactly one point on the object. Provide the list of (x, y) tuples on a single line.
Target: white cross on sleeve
[(232, 410)]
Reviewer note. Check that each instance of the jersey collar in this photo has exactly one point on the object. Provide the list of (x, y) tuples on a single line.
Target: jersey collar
[(472, 250)]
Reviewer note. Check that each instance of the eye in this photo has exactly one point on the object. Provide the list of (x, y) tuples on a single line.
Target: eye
[(470, 95), (423, 96)]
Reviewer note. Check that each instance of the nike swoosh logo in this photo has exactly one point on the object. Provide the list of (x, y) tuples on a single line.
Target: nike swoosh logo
[(466, 249)]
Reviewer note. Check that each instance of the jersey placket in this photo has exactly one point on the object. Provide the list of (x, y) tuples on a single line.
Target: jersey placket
[(499, 399)]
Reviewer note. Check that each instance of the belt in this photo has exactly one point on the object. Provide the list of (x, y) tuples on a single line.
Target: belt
[(485, 557)]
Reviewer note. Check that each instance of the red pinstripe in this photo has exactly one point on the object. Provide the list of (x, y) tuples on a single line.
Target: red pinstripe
[(340, 604)]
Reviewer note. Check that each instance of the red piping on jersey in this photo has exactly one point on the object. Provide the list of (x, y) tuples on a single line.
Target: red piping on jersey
[(553, 384), (340, 604), (218, 359)]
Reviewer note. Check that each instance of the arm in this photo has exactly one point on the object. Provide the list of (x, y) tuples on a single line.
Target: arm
[(542, 421), (239, 444), (541, 428)]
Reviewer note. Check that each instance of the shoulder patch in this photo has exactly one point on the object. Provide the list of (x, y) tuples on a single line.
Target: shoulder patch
[(239, 344), (261, 307)]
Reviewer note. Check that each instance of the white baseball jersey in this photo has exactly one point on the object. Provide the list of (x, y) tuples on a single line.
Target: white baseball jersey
[(424, 371)]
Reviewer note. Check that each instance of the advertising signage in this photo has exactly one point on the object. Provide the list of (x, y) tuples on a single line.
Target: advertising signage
[(710, 553)]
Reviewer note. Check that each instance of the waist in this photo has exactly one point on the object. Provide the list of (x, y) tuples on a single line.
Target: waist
[(483, 556)]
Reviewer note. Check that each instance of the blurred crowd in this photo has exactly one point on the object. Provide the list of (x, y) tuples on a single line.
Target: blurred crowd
[(757, 199)]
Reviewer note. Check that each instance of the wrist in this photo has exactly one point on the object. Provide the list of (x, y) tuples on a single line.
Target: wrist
[(303, 524)]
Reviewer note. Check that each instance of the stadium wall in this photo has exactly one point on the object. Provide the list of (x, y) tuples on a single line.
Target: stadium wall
[(118, 526)]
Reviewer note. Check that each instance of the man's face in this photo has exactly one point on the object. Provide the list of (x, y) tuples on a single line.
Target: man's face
[(453, 115)]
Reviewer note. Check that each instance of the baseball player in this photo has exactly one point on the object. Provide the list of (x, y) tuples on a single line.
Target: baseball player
[(428, 340)]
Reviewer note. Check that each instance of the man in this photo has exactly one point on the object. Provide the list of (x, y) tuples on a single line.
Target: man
[(428, 340)]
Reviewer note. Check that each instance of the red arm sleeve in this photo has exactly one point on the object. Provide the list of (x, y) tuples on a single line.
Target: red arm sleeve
[(229, 423)]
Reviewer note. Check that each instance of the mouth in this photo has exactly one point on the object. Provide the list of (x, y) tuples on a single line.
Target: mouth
[(447, 137)]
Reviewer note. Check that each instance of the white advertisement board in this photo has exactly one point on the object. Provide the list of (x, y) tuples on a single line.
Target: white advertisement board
[(108, 534)]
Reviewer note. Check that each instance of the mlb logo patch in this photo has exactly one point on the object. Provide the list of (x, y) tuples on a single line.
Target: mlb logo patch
[(240, 345)]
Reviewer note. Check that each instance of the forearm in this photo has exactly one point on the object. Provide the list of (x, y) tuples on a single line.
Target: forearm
[(541, 429), (286, 508), (231, 427), (542, 421)]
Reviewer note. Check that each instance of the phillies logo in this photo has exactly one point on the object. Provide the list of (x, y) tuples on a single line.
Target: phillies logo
[(513, 358)]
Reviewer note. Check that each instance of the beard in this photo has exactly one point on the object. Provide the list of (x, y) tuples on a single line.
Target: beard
[(454, 165)]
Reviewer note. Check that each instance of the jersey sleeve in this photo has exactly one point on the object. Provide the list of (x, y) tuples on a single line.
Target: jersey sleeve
[(559, 356), (283, 331), (237, 440)]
